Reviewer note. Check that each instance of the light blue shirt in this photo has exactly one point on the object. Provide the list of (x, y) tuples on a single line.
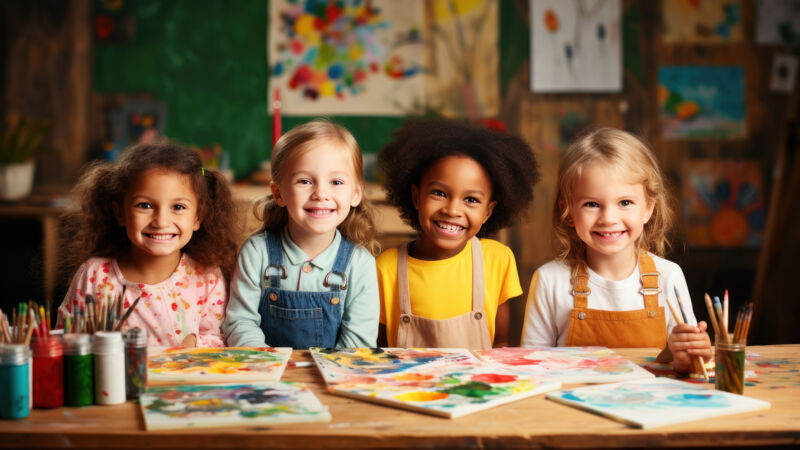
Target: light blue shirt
[(360, 303)]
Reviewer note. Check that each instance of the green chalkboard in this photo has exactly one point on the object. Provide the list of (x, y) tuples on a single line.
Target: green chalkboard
[(207, 59)]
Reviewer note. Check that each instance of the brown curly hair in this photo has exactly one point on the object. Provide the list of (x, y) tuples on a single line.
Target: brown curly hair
[(92, 227), (419, 143), (359, 226), (628, 153)]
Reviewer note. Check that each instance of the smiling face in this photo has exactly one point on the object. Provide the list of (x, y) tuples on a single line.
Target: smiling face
[(608, 214), (159, 214), (318, 187), (453, 200)]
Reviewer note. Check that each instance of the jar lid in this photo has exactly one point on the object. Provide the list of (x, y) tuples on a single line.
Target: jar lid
[(107, 342), (15, 354), (135, 337), (49, 346), (77, 344)]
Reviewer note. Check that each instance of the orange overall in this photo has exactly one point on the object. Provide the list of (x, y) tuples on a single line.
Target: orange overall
[(618, 329), (468, 330)]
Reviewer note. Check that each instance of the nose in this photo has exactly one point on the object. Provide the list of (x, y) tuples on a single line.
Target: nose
[(321, 192), (161, 217), (452, 208), (608, 215)]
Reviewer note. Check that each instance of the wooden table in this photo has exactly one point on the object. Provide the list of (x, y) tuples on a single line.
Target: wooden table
[(533, 422)]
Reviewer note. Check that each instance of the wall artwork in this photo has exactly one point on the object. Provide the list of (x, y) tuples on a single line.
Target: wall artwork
[(778, 22), (349, 57), (230, 405), (566, 364), (701, 22), (656, 402), (701, 102), (723, 203), (178, 365), (442, 382), (784, 73), (576, 45)]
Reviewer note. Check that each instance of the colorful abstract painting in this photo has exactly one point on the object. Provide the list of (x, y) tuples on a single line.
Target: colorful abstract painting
[(723, 203), (230, 405), (443, 382), (566, 364), (650, 403), (576, 45), (178, 365), (347, 56), (701, 102), (701, 22), (778, 22)]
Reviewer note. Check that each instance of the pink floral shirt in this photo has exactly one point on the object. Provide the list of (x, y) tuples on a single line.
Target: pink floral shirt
[(190, 301)]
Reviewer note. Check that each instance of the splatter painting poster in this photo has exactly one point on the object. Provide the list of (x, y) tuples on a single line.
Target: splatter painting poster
[(348, 57), (656, 402), (701, 102), (205, 406), (576, 45), (701, 22), (566, 364), (442, 382), (180, 365), (723, 203)]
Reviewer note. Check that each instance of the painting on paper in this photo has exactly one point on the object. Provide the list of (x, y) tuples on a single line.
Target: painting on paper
[(463, 74), (230, 405), (566, 364), (656, 402), (701, 22), (338, 365), (178, 365), (778, 22), (701, 102), (348, 57), (723, 203), (576, 46)]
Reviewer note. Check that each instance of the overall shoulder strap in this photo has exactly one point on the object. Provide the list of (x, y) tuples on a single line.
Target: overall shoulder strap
[(580, 286), (275, 271), (343, 255)]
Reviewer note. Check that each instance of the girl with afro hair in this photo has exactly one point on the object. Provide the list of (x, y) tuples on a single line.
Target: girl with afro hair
[(455, 184)]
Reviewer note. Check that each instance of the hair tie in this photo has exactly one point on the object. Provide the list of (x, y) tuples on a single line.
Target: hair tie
[(203, 171)]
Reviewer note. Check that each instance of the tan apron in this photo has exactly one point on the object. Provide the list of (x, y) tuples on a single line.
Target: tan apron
[(465, 331), (618, 329)]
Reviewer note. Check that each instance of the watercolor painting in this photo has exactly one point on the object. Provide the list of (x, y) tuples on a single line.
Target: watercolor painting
[(230, 405), (778, 22), (723, 203), (576, 46), (702, 102), (178, 365), (348, 57), (657, 402), (701, 22), (566, 364)]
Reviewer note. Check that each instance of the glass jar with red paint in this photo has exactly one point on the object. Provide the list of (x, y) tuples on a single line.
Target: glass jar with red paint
[(48, 372)]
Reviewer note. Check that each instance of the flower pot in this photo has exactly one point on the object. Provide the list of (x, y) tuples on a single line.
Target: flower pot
[(16, 180)]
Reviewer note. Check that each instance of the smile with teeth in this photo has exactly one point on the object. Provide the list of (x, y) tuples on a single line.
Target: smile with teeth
[(449, 227), (320, 211), (160, 236), (609, 234)]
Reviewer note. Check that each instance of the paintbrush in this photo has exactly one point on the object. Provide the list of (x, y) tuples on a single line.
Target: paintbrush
[(127, 314), (697, 360), (711, 316), (31, 327), (725, 310), (723, 329)]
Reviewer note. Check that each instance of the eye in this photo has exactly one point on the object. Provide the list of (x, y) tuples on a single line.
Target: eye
[(179, 207), (337, 182), (625, 203), (438, 193), (303, 181), (143, 205), (591, 204), (472, 200)]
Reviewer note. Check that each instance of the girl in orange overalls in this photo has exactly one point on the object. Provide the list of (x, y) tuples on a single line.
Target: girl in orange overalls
[(609, 285)]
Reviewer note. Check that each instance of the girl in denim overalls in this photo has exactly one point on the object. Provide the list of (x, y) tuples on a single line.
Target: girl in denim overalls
[(308, 278), (609, 285)]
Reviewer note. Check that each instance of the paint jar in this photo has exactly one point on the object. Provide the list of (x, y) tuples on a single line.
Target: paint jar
[(729, 368), (135, 362), (15, 362), (48, 372), (78, 373), (109, 368)]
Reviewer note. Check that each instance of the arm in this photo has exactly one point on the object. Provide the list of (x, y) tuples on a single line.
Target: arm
[(242, 324), (501, 324), (359, 327), (209, 333), (539, 327)]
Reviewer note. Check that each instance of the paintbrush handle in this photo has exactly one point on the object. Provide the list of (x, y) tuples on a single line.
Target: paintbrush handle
[(127, 314)]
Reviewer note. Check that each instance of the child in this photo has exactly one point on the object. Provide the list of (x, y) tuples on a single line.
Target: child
[(451, 183), (308, 279), (155, 225), (609, 285)]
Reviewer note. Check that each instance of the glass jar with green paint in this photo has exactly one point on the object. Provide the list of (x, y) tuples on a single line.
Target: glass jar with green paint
[(78, 373)]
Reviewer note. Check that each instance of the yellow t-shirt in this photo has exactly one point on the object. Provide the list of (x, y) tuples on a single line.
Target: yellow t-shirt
[(443, 289)]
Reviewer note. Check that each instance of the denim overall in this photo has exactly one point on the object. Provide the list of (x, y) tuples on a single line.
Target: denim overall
[(301, 319)]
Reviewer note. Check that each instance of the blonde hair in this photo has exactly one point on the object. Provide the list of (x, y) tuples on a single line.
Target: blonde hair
[(359, 226), (629, 154)]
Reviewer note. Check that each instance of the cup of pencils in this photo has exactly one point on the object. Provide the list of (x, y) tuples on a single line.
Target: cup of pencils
[(729, 365)]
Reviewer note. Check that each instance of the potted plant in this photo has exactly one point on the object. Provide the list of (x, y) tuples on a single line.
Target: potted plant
[(20, 143)]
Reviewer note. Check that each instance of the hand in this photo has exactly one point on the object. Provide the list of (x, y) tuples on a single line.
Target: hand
[(686, 341), (189, 341)]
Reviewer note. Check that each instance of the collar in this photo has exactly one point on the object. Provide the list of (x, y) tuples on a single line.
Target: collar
[(295, 256)]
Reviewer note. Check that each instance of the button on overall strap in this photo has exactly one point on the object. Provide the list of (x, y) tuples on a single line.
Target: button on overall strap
[(339, 280), (275, 272)]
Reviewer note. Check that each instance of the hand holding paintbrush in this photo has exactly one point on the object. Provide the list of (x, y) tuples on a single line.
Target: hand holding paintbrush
[(686, 340)]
